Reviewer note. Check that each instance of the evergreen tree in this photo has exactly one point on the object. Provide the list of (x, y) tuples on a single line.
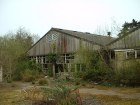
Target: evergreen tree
[(128, 27)]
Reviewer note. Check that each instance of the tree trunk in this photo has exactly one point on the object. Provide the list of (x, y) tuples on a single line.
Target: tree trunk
[(1, 74), (53, 70)]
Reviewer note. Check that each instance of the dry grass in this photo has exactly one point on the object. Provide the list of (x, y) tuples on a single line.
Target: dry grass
[(128, 90), (123, 90), (10, 95), (114, 100), (32, 93)]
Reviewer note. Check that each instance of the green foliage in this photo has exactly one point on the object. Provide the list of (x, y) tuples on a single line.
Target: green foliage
[(52, 57), (28, 75), (49, 70), (27, 70), (84, 56), (96, 69), (12, 46), (128, 27), (129, 74), (98, 75), (61, 94), (79, 74), (43, 81)]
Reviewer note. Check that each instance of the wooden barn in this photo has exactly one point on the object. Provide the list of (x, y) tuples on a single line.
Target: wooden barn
[(65, 43), (125, 49)]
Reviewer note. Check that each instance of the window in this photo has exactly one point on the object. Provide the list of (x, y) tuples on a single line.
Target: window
[(133, 54), (130, 54), (112, 54), (138, 53), (52, 37)]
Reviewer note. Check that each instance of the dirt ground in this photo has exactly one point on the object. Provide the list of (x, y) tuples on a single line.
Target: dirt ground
[(10, 94), (96, 91)]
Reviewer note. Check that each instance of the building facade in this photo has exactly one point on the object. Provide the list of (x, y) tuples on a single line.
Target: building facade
[(65, 43)]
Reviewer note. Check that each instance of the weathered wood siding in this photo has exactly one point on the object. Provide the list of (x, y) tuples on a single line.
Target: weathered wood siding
[(121, 62), (130, 41), (63, 44)]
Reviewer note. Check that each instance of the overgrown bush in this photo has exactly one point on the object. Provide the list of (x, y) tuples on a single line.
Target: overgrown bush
[(79, 74), (129, 74), (28, 75), (27, 70), (61, 94), (49, 70), (43, 81), (98, 75), (96, 67)]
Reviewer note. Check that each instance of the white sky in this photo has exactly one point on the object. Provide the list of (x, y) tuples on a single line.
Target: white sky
[(38, 16)]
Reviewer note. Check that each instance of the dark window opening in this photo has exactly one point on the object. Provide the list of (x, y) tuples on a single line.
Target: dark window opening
[(130, 54), (138, 53), (112, 54), (105, 55), (43, 59), (60, 67)]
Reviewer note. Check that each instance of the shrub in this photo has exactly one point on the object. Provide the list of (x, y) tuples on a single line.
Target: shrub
[(32, 93), (95, 64), (129, 74), (50, 70), (28, 75), (61, 94), (43, 81), (79, 74), (101, 74), (26, 69)]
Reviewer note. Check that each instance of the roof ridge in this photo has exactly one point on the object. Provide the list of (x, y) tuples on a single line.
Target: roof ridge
[(87, 33), (98, 39), (126, 34)]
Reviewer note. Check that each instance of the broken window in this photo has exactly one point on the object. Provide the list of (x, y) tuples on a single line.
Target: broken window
[(130, 54), (138, 53), (52, 37)]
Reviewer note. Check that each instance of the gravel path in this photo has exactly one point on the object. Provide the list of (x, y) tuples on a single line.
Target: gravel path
[(95, 91), (91, 101)]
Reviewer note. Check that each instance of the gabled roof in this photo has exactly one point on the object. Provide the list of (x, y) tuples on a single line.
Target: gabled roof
[(94, 38), (98, 39), (119, 38)]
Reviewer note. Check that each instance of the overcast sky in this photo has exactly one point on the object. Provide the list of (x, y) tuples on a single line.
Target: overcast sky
[(38, 16)]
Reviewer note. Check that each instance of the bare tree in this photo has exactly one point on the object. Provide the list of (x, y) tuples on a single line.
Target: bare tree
[(113, 28), (12, 46)]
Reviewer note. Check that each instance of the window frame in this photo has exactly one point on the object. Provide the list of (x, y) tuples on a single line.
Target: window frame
[(130, 57)]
